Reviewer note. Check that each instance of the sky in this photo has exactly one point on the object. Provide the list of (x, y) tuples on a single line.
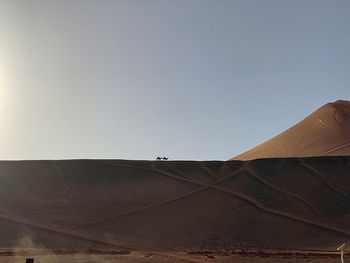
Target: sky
[(186, 79)]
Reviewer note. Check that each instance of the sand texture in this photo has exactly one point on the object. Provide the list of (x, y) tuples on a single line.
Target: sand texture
[(290, 203), (326, 132)]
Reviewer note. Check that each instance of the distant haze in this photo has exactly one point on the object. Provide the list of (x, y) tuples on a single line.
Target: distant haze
[(188, 79)]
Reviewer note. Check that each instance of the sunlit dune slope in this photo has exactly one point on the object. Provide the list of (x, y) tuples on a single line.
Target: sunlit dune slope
[(326, 132), (177, 205)]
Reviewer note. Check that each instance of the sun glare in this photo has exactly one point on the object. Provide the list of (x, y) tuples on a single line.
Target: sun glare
[(2, 83), (3, 88), (2, 80)]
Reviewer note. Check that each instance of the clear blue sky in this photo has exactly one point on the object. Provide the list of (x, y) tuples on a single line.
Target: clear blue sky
[(188, 79)]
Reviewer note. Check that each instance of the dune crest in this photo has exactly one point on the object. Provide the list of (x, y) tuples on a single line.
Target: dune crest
[(325, 132)]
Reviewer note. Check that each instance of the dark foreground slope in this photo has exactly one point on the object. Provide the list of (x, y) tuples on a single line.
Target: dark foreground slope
[(177, 205), (326, 132)]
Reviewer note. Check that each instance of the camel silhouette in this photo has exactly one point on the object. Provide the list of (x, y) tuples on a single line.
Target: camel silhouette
[(160, 158)]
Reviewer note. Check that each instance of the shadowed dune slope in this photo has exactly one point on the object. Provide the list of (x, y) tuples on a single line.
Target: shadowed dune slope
[(293, 203), (326, 132)]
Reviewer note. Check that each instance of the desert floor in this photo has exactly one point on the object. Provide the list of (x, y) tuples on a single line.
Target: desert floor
[(179, 257)]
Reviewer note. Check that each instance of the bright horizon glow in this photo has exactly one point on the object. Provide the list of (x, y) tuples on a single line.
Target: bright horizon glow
[(186, 79), (3, 87)]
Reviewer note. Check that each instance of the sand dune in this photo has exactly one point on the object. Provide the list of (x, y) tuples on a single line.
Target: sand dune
[(294, 203), (269, 203), (326, 132)]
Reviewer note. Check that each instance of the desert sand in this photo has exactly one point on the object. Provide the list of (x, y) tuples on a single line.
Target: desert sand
[(291, 203), (294, 208), (326, 132), (170, 257)]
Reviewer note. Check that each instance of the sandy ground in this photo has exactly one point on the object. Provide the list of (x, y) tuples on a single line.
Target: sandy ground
[(179, 257), (294, 203)]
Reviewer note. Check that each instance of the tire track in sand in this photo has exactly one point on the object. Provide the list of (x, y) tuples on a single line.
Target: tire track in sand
[(248, 200)]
